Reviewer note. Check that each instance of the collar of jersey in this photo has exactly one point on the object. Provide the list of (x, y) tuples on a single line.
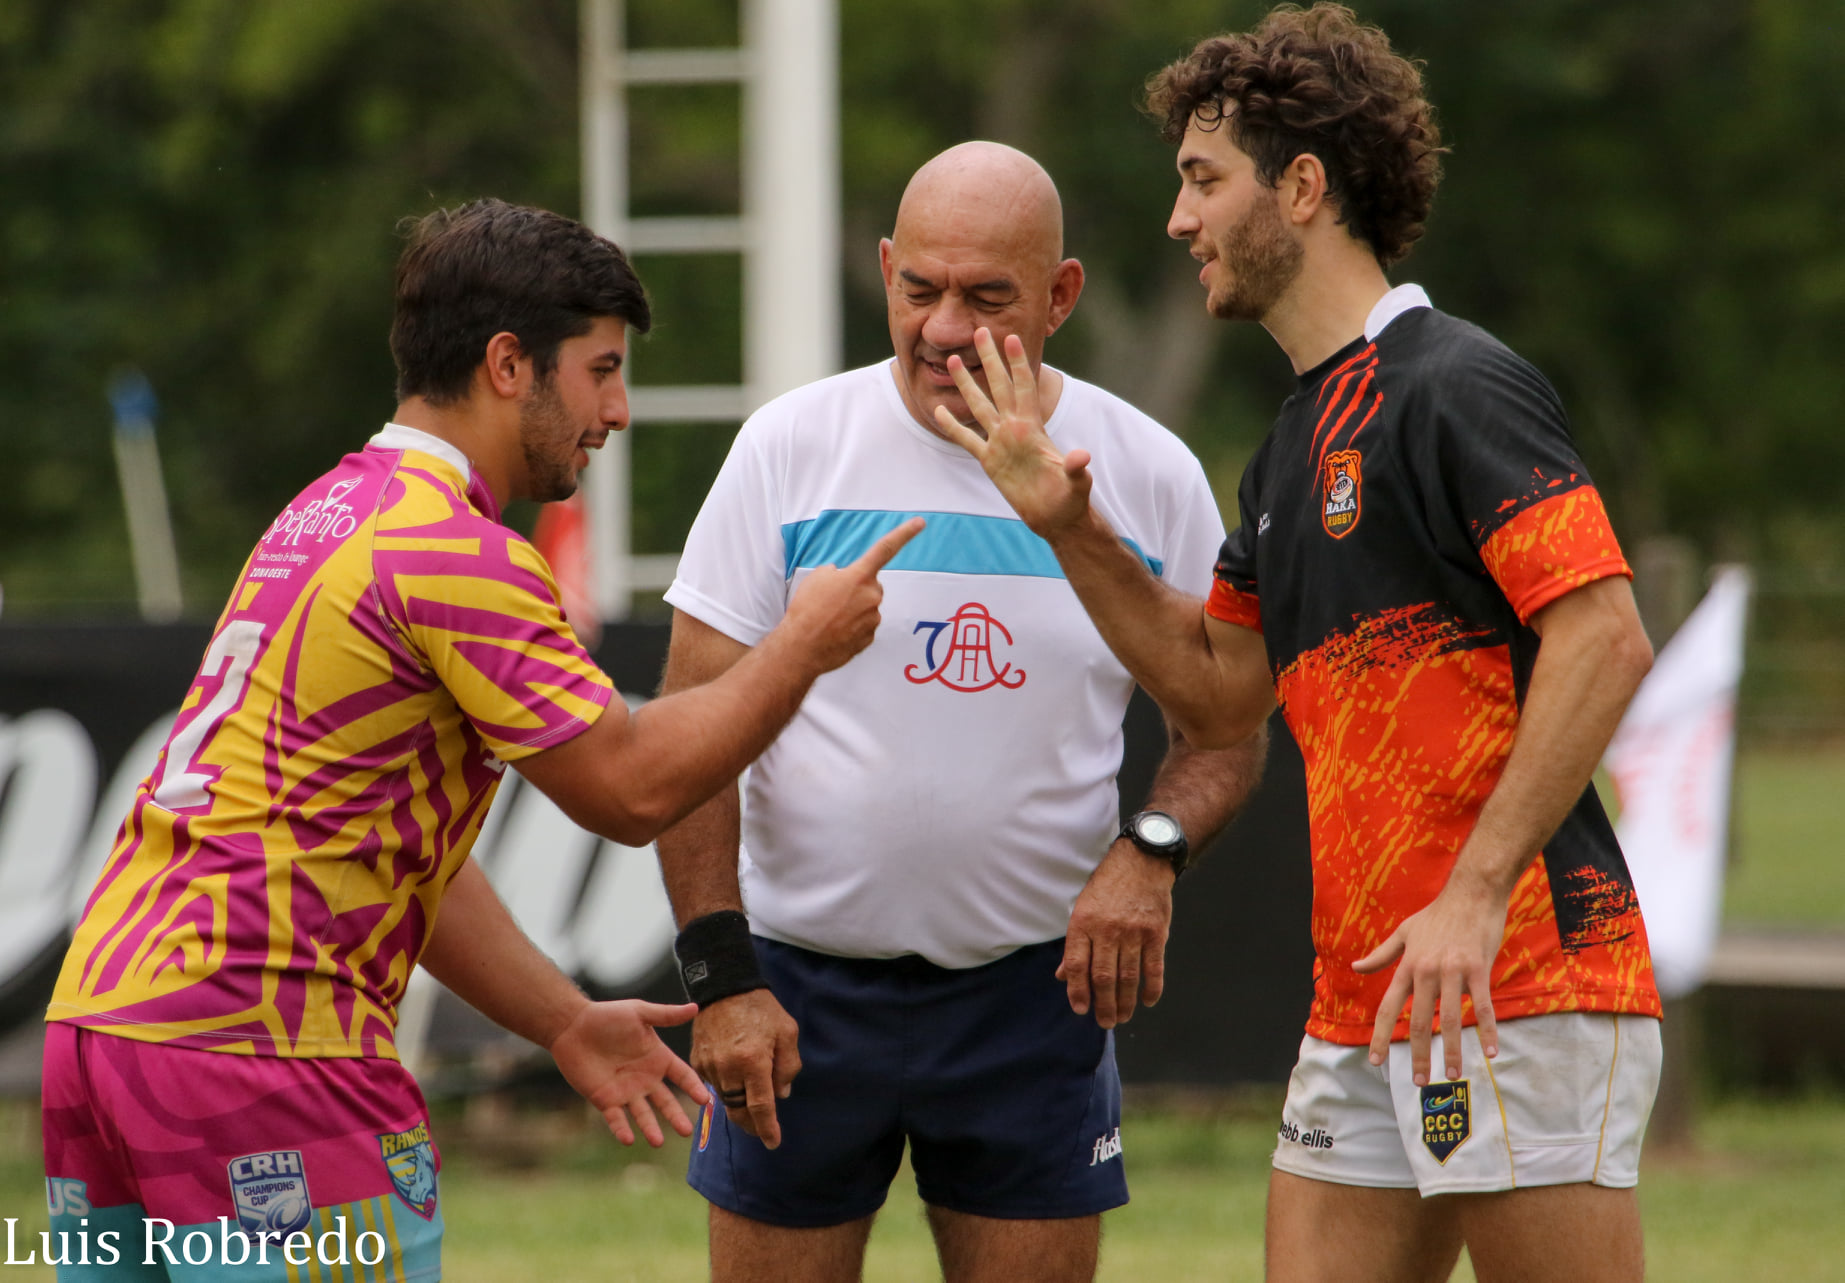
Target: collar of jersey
[(887, 376), (1388, 308), (396, 436)]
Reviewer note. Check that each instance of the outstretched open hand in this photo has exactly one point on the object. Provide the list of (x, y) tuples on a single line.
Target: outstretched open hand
[(1047, 488), (612, 1056)]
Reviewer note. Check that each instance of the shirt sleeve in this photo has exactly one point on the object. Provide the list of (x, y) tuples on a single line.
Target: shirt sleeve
[(1510, 473), (1234, 598), (733, 574), (484, 616)]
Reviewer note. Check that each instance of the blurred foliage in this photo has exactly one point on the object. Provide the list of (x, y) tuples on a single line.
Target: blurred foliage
[(1644, 198)]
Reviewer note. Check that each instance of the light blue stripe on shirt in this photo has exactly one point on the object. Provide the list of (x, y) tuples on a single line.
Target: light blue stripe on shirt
[(954, 543)]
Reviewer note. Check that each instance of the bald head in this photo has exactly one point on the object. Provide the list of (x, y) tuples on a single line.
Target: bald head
[(978, 243), (986, 197)]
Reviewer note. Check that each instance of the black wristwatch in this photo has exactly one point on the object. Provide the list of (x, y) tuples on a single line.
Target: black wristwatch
[(1160, 836)]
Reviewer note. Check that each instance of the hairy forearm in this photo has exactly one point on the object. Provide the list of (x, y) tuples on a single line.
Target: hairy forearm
[(481, 955), (1160, 637), (698, 855), (698, 858), (1588, 666), (1203, 789), (688, 745)]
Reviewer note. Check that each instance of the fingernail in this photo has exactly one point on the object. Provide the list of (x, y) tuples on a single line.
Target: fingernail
[(1376, 1059), (1422, 1080)]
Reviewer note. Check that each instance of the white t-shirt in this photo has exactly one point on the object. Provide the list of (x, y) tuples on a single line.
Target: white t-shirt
[(949, 791)]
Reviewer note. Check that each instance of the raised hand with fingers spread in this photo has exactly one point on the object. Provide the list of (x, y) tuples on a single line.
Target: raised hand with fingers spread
[(1046, 487)]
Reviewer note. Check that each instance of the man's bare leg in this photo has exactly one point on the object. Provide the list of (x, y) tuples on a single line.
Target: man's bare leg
[(746, 1251), (1550, 1233), (1320, 1232), (985, 1249)]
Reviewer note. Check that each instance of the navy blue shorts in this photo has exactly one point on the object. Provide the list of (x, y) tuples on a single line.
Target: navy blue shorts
[(1010, 1101)]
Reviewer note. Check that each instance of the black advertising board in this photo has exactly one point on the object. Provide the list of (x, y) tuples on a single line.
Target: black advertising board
[(84, 707)]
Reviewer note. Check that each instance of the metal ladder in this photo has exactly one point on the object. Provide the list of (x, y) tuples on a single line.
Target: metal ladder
[(787, 234)]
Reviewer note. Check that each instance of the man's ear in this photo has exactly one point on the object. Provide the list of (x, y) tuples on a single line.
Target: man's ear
[(1066, 288), (1302, 187), (885, 250), (508, 370)]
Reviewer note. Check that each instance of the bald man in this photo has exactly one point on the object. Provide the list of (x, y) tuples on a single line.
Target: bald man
[(924, 918)]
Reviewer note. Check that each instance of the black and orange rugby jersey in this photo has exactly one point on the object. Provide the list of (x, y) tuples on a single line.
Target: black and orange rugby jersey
[(1417, 501)]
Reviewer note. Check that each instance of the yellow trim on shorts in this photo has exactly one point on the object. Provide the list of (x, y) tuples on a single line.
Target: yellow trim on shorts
[(1607, 1105), (390, 1234), (1505, 1128)]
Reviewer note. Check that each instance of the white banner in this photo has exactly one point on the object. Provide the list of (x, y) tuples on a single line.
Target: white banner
[(1671, 761)]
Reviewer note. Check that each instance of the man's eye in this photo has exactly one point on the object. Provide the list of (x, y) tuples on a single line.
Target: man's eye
[(920, 298)]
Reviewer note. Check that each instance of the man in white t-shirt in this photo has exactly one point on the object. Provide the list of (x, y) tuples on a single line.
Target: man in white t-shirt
[(943, 907)]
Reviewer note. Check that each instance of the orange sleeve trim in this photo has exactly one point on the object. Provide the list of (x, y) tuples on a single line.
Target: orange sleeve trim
[(1233, 606), (1552, 548)]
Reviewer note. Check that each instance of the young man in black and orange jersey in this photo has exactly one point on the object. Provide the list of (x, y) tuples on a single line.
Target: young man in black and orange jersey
[(1425, 579)]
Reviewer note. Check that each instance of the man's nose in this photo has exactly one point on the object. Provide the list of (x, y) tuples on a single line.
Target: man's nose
[(1183, 221), (615, 403), (950, 325)]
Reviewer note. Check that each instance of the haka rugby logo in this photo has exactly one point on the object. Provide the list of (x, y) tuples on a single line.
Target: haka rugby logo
[(1344, 485), (967, 661)]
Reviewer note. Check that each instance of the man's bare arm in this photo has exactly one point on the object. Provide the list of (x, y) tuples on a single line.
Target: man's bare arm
[(745, 1041), (1590, 661), (608, 1051), (629, 777), (1115, 951)]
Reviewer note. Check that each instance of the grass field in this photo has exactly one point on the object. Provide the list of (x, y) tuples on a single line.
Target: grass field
[(1788, 867), (1758, 1199)]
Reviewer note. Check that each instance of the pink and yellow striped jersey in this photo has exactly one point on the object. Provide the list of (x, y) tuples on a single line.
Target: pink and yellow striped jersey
[(388, 648)]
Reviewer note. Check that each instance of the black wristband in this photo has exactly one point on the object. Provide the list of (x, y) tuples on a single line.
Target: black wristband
[(717, 958)]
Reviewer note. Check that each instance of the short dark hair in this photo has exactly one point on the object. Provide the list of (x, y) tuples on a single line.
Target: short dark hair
[(470, 272), (1318, 80)]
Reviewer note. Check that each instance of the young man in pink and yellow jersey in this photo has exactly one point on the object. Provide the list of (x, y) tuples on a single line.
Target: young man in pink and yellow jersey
[(220, 1074)]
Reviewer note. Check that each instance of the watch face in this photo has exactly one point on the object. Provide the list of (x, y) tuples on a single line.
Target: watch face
[(1157, 829)]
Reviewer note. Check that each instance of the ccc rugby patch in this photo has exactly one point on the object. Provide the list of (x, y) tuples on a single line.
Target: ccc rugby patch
[(1447, 1120), (1343, 485)]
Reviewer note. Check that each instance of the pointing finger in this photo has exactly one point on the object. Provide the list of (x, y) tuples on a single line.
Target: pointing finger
[(889, 545)]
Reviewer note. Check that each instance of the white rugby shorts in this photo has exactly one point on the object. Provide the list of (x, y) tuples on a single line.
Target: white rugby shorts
[(1565, 1101)]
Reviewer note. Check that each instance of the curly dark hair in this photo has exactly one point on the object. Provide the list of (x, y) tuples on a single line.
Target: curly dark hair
[(470, 272), (1318, 80)]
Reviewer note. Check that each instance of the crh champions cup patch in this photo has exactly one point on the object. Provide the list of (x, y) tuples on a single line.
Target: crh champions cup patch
[(270, 1192), (412, 1164), (1343, 485), (1447, 1120)]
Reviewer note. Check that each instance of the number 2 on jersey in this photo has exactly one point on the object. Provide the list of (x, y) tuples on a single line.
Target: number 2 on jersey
[(181, 785)]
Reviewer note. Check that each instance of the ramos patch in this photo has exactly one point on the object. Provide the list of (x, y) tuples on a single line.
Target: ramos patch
[(411, 1160)]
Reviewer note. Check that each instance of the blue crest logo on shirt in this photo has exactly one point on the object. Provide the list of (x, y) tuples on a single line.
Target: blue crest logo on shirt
[(411, 1161), (270, 1192)]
